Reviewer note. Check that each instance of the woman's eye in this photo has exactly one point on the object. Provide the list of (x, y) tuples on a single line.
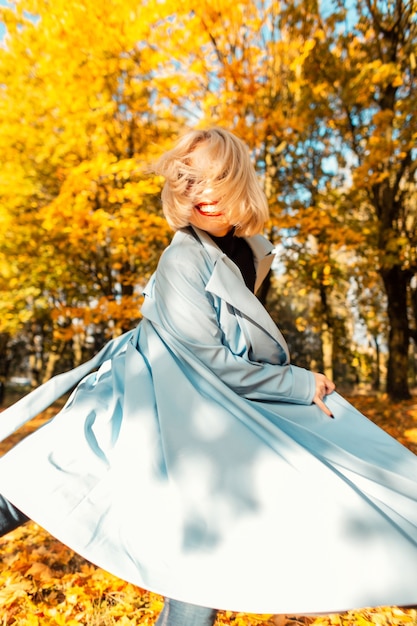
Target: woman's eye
[(193, 183)]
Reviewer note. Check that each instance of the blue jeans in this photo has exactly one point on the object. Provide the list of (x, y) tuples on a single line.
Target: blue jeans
[(177, 613)]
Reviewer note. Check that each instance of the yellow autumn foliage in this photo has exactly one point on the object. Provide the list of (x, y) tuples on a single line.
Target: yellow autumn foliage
[(92, 94)]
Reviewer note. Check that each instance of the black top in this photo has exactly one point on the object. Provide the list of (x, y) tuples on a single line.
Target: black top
[(239, 251)]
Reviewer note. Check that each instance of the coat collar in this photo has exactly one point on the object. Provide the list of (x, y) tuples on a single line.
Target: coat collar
[(262, 252)]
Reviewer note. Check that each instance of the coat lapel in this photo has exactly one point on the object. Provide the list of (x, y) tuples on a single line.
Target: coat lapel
[(226, 282), (263, 253)]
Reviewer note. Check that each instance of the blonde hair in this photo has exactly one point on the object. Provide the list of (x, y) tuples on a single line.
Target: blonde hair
[(218, 159)]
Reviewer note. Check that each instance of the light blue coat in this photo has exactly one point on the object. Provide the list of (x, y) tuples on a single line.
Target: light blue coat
[(194, 464)]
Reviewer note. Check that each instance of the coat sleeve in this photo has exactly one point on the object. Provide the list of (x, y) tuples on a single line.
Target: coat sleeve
[(186, 311)]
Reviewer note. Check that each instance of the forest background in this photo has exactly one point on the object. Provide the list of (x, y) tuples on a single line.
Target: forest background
[(324, 93)]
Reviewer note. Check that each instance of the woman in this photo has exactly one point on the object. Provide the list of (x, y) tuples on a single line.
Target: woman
[(198, 462)]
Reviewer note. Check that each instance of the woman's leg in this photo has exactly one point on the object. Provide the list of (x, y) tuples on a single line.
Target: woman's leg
[(10, 516), (177, 613)]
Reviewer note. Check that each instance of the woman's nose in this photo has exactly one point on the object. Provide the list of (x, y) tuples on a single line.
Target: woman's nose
[(207, 191)]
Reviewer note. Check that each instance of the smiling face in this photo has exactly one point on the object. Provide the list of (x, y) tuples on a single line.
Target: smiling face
[(207, 213), (209, 216)]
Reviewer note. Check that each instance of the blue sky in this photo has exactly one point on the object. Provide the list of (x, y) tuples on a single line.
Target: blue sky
[(3, 3)]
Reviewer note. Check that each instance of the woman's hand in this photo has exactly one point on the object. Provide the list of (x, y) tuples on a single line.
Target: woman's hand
[(324, 386)]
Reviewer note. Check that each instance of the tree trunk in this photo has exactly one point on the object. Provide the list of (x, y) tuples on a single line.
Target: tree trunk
[(396, 284), (327, 333), (327, 348), (53, 358), (376, 385), (4, 363)]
